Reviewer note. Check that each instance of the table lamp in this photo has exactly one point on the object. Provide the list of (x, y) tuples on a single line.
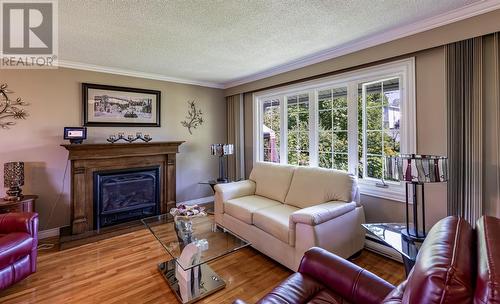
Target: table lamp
[(222, 150), (13, 179), (416, 170)]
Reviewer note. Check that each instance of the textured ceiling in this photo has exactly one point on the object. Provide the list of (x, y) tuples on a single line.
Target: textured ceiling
[(222, 41)]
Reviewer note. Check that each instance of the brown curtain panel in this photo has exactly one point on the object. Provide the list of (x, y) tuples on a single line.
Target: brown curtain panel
[(491, 124), (234, 111), (464, 64)]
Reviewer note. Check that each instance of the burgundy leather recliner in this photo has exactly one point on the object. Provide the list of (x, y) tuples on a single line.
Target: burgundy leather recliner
[(18, 247), (455, 265)]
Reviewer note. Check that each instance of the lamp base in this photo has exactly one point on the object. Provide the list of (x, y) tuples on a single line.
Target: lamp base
[(412, 235), (222, 180), (14, 194)]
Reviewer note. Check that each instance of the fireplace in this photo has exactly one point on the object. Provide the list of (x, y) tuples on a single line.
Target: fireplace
[(87, 159), (126, 194)]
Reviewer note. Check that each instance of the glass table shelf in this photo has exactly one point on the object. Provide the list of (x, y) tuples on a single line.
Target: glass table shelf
[(391, 235), (192, 244)]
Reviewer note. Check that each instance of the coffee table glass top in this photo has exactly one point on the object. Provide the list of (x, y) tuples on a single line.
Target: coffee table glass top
[(390, 233), (200, 233)]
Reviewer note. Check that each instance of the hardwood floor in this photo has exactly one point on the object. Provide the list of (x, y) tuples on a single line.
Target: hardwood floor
[(123, 269)]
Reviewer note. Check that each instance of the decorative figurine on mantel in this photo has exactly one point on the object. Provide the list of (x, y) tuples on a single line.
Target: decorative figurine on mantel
[(130, 138), (14, 179)]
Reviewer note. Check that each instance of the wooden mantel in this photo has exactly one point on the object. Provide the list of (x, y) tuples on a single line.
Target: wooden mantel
[(86, 159)]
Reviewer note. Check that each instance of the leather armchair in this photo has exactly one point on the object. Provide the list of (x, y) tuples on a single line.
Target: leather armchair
[(18, 247), (456, 264)]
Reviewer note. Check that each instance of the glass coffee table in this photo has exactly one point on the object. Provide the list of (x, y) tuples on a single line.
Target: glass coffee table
[(192, 244)]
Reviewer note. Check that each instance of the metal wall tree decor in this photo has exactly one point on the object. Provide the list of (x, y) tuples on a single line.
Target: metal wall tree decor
[(10, 109), (194, 118)]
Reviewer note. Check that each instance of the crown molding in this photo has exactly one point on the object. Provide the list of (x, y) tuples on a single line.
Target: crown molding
[(459, 14), (132, 73)]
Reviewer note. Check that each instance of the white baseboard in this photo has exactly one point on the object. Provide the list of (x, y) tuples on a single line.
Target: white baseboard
[(198, 201), (383, 250), (48, 233)]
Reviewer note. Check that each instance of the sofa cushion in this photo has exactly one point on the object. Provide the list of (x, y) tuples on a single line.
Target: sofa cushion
[(312, 186), (488, 255), (444, 267), (242, 208), (275, 221), (14, 246), (272, 180), (321, 213)]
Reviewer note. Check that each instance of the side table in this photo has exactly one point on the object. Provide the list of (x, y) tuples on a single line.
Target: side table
[(391, 235), (25, 204)]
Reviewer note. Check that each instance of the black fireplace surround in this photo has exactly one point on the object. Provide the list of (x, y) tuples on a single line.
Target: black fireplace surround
[(125, 195)]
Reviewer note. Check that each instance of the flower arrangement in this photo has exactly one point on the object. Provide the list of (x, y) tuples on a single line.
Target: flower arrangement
[(188, 212)]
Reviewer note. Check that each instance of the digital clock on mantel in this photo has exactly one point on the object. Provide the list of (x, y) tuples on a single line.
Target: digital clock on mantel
[(75, 135)]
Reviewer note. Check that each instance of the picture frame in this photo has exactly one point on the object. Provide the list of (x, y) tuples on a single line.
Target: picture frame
[(115, 106)]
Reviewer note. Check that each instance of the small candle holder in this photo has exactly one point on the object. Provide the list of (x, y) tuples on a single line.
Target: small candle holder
[(130, 138)]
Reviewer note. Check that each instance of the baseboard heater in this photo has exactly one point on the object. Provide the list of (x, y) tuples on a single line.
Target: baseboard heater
[(375, 245)]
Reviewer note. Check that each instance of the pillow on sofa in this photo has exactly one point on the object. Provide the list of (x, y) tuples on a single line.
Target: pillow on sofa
[(272, 180), (312, 186)]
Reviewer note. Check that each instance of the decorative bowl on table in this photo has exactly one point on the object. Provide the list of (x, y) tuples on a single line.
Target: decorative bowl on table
[(187, 212), (183, 216)]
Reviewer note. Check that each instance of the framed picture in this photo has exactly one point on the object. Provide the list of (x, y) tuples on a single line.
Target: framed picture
[(105, 105)]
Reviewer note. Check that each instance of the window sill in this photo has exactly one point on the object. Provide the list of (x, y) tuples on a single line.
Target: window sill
[(393, 193)]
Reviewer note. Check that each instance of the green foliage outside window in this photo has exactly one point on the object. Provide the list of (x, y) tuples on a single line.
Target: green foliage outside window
[(298, 129), (377, 131), (381, 139)]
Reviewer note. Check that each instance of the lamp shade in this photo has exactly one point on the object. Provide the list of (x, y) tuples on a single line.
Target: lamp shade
[(222, 149), (13, 174), (415, 168)]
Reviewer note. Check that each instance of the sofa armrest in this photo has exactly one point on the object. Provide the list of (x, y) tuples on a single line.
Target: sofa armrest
[(234, 190), (225, 192), (19, 222), (321, 213), (351, 282)]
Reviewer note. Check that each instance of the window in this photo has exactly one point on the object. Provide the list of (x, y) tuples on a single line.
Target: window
[(348, 122), (332, 129), (379, 119), (271, 126), (298, 129)]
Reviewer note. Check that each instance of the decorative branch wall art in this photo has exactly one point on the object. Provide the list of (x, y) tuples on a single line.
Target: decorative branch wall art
[(194, 118), (10, 109)]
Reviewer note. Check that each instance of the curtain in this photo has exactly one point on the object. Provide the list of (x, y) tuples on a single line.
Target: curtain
[(234, 112), (464, 71), (491, 123)]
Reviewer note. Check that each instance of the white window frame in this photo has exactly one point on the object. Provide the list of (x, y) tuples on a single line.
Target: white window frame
[(402, 69)]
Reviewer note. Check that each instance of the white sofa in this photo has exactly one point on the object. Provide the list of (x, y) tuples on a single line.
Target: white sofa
[(284, 210)]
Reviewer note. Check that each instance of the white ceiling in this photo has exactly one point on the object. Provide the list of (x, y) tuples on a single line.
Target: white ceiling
[(218, 43)]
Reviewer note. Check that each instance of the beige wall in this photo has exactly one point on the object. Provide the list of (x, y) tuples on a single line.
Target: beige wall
[(431, 137), (55, 98)]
